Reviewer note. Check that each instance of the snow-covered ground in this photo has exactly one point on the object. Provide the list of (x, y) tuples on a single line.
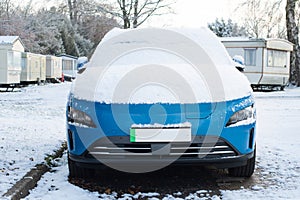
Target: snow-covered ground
[(34, 125), (278, 144)]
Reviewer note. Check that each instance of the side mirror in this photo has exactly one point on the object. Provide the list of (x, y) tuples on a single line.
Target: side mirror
[(81, 61), (241, 69), (239, 62)]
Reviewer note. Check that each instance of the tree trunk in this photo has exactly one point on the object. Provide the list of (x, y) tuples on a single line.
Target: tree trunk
[(7, 9), (292, 34), (135, 13), (70, 5), (126, 22), (73, 11)]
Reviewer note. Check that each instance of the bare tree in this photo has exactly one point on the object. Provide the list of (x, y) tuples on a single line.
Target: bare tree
[(262, 17), (254, 20), (292, 33), (10, 19), (77, 9), (6, 9), (133, 13), (73, 11), (27, 9), (95, 27), (274, 16), (87, 20)]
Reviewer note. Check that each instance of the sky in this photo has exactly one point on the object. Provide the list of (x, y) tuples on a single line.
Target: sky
[(190, 13), (195, 13)]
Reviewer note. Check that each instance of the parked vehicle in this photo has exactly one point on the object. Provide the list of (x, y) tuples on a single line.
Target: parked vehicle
[(152, 97), (267, 61), (10, 60)]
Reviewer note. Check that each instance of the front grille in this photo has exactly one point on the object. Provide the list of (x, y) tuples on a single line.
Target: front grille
[(122, 149), (219, 149), (207, 150)]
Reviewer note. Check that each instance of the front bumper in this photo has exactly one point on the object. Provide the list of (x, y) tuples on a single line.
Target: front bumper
[(234, 161), (117, 151)]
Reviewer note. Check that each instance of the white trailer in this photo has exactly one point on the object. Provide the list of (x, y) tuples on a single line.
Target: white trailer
[(69, 65), (267, 61), (30, 68), (53, 68), (33, 68), (10, 60)]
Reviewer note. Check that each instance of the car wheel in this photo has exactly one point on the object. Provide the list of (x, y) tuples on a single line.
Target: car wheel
[(76, 171), (244, 171)]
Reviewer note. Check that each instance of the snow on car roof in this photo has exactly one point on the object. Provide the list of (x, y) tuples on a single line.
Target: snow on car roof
[(151, 65)]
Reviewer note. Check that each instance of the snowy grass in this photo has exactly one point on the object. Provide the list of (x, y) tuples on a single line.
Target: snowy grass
[(278, 144), (32, 125)]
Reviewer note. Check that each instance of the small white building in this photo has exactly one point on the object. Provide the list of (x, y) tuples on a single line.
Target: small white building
[(267, 61), (53, 67), (11, 48), (69, 65), (33, 67)]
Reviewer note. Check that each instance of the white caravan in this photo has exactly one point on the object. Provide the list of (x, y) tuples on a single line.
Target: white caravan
[(53, 68), (10, 60), (267, 61), (33, 67)]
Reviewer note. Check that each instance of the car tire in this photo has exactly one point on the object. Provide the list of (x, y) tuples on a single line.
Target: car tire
[(244, 171), (76, 171)]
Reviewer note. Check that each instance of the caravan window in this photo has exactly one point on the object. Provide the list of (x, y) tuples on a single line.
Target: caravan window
[(23, 63), (277, 58), (250, 57), (67, 64), (10, 59), (13, 59)]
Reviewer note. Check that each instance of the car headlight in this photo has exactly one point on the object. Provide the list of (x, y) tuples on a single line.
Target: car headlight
[(245, 114), (79, 117)]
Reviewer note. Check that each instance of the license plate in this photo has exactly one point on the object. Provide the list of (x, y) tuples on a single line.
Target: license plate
[(180, 134)]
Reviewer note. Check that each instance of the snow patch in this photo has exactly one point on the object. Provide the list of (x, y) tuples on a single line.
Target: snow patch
[(157, 125), (32, 125)]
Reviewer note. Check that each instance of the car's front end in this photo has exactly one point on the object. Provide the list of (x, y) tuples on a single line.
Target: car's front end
[(153, 97), (222, 134)]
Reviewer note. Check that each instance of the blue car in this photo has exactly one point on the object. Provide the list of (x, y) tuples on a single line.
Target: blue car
[(149, 98)]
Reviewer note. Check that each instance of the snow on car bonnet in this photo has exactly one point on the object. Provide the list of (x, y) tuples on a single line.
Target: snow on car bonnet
[(153, 65)]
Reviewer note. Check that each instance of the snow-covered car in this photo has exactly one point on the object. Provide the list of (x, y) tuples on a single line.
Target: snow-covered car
[(153, 97)]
